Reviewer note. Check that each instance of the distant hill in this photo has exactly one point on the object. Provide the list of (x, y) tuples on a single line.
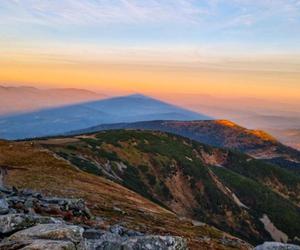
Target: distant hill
[(54, 121), (234, 192), (24, 99), (220, 133)]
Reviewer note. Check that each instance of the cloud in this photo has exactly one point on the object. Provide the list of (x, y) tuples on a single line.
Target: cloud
[(214, 28), (100, 11)]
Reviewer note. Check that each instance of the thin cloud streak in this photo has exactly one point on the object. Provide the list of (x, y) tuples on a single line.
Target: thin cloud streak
[(136, 11), (229, 35), (99, 12)]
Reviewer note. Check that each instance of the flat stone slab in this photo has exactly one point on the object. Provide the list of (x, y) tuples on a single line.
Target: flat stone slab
[(10, 223), (50, 232)]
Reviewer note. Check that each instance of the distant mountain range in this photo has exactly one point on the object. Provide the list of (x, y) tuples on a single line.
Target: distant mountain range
[(220, 133), (14, 100), (55, 121)]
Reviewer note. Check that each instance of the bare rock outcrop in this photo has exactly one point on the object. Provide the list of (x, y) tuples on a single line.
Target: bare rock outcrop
[(30, 221)]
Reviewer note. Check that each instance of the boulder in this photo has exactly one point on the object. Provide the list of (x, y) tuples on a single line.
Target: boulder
[(50, 245), (93, 234), (101, 245), (4, 190), (50, 232), (13, 245), (10, 223), (4, 207), (276, 246), (111, 241), (38, 245), (122, 231), (155, 243)]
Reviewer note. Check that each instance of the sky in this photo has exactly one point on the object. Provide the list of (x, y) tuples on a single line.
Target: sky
[(242, 48)]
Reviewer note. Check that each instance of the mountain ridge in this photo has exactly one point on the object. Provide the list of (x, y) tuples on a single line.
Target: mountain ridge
[(220, 133)]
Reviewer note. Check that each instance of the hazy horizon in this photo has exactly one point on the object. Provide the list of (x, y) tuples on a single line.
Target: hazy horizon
[(219, 48)]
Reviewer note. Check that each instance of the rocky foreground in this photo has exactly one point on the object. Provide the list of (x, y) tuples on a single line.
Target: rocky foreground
[(30, 221)]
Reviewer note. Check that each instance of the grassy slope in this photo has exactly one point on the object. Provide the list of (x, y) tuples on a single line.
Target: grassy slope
[(222, 133), (29, 166), (155, 161)]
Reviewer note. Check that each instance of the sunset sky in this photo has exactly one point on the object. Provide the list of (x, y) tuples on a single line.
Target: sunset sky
[(218, 47)]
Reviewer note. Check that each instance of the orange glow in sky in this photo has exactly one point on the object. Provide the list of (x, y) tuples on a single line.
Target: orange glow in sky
[(221, 48), (153, 78)]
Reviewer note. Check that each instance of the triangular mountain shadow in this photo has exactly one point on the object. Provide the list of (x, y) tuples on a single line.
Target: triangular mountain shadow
[(55, 121)]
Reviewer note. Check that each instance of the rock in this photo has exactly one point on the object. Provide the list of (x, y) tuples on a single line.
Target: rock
[(93, 234), (38, 245), (100, 245), (79, 207), (117, 229), (10, 223), (15, 191), (22, 228), (50, 245), (29, 203), (27, 192), (107, 241), (276, 246), (155, 243), (14, 199), (50, 232), (110, 241), (12, 245), (131, 233), (122, 231), (4, 207), (55, 200), (37, 195), (4, 190), (76, 206)]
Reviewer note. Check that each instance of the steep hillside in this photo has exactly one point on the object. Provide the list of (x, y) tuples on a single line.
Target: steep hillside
[(231, 191), (221, 133), (27, 165), (55, 121)]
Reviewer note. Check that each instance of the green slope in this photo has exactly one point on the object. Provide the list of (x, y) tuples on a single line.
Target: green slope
[(180, 174)]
